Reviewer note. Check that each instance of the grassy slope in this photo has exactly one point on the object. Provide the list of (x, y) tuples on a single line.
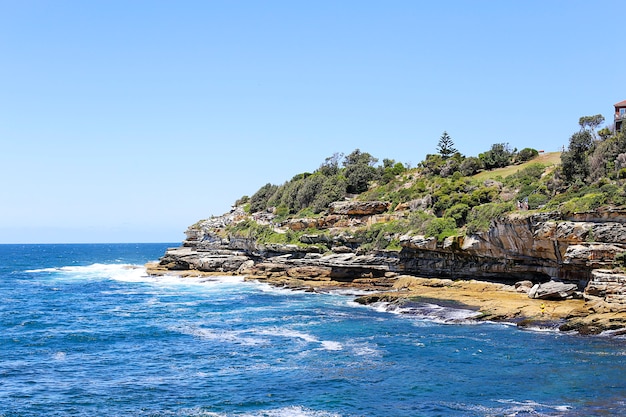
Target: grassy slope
[(548, 159)]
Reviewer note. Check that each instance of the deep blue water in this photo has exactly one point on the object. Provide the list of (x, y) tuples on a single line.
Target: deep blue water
[(82, 333)]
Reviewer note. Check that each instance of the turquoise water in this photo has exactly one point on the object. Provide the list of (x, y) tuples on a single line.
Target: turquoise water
[(82, 333)]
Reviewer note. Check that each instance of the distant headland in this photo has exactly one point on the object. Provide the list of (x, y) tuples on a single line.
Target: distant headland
[(529, 237)]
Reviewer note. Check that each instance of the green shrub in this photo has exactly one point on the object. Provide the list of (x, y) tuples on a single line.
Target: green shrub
[(526, 154), (612, 191), (433, 164), (499, 156), (585, 203), (259, 200), (485, 195), (458, 212), (619, 198), (480, 217), (418, 220), (333, 189), (441, 228), (443, 202), (537, 200), (529, 175), (306, 212), (243, 200), (281, 212), (381, 235), (471, 166)]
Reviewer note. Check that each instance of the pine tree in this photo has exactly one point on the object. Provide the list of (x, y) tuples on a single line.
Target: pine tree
[(445, 147)]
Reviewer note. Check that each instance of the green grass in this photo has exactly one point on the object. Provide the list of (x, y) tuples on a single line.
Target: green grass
[(547, 159)]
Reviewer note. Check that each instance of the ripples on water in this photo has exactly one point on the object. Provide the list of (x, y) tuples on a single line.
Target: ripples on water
[(83, 333)]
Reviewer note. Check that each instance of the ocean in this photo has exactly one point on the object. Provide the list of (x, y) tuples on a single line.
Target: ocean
[(85, 332)]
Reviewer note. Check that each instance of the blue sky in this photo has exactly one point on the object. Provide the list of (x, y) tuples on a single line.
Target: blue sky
[(127, 121)]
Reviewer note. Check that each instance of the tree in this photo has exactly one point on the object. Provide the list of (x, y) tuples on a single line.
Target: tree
[(575, 161), (308, 191), (432, 164), (471, 166), (389, 170), (359, 158), (591, 122), (526, 154), (358, 177), (445, 147), (359, 171), (331, 165), (259, 200), (605, 133), (333, 189), (499, 156)]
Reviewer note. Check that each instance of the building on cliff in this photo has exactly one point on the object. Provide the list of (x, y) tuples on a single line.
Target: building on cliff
[(620, 114)]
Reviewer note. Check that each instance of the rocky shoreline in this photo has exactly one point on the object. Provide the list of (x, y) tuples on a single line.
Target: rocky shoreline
[(523, 262), (493, 301)]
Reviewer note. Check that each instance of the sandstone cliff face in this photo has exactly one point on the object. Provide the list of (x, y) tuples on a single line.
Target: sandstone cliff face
[(538, 247), (521, 246)]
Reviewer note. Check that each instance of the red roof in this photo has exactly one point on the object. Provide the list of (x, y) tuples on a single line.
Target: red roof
[(621, 104)]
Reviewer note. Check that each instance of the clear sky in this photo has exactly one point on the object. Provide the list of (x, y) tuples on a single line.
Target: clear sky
[(127, 121)]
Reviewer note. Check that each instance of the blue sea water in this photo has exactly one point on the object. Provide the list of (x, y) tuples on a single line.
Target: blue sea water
[(85, 332)]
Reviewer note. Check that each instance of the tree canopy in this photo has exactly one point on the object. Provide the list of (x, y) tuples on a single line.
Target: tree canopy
[(445, 147)]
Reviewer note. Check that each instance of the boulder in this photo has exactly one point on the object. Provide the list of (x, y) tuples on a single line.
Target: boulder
[(523, 286), (418, 242), (417, 204), (303, 224), (552, 290), (245, 267), (341, 249)]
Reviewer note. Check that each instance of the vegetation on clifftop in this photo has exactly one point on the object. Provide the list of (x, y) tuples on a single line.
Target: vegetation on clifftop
[(447, 193)]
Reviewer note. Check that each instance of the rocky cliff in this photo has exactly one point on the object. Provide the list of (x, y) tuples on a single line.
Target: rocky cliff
[(535, 248)]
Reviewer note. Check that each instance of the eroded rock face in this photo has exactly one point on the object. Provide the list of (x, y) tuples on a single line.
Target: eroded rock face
[(418, 242), (186, 258), (607, 290), (359, 208), (536, 248)]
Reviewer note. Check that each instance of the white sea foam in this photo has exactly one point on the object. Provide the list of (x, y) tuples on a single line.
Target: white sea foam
[(429, 311), (135, 273), (119, 272), (229, 336), (330, 345), (349, 292), (293, 411), (363, 348), (272, 289), (543, 329), (511, 408), (288, 333), (533, 406), (306, 337)]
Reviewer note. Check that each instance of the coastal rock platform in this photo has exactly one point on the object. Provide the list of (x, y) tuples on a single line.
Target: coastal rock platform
[(532, 269)]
